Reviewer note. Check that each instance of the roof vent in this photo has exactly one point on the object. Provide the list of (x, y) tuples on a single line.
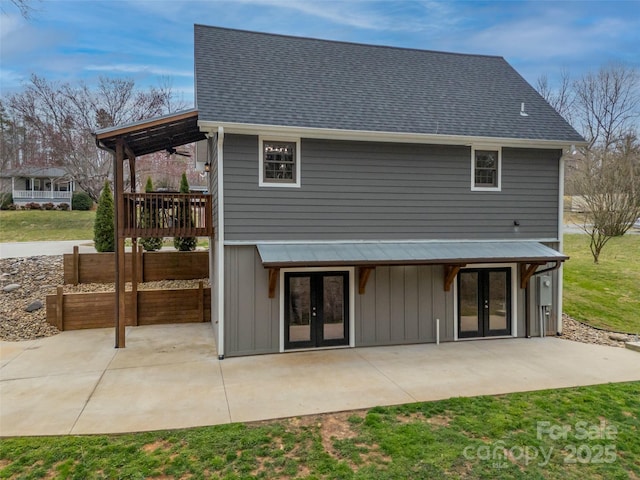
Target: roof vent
[(522, 112)]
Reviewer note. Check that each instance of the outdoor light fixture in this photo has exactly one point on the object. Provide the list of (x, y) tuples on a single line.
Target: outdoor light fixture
[(516, 226), (207, 167)]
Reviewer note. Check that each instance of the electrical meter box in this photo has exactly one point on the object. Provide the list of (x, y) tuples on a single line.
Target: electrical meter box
[(545, 291)]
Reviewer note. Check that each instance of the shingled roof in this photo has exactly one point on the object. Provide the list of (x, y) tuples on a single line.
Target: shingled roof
[(256, 78)]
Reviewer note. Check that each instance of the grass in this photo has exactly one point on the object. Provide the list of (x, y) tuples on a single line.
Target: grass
[(576, 433), (45, 225), (605, 295), (41, 225)]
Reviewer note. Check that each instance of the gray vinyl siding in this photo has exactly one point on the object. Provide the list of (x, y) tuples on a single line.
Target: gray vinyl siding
[(251, 317), (388, 191), (401, 304)]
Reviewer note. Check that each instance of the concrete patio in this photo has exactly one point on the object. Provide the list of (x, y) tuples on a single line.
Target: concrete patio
[(169, 377)]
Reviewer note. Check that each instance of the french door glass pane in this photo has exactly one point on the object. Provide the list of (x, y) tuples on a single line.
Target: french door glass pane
[(333, 307), (300, 309), (498, 300), (469, 321)]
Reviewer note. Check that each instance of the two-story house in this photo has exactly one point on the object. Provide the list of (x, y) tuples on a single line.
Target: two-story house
[(370, 195)]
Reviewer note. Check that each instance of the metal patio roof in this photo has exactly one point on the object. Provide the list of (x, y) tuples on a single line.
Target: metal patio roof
[(404, 253), (154, 134)]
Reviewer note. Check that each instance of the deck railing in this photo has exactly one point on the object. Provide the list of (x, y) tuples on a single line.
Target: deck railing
[(41, 195), (167, 215)]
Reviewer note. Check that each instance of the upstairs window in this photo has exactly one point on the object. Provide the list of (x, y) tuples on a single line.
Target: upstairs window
[(486, 169), (279, 163)]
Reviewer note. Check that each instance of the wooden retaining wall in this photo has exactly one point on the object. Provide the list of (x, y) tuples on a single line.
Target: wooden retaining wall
[(152, 266), (75, 311)]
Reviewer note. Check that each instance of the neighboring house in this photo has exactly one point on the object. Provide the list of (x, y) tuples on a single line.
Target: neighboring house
[(38, 185), (368, 195)]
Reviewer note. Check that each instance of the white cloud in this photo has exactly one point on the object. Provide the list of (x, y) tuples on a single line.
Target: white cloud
[(398, 16), (136, 68)]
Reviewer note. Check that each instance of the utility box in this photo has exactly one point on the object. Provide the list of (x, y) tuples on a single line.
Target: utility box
[(545, 291)]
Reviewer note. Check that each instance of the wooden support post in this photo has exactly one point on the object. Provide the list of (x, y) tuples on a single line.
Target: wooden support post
[(273, 281), (134, 280), (120, 307), (526, 272), (76, 265), (450, 272), (201, 301), (364, 278), (132, 171), (59, 308), (140, 260)]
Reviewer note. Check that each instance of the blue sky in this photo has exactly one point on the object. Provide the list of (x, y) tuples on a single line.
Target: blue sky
[(150, 39)]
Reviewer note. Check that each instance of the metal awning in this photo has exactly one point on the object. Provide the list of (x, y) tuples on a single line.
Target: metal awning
[(277, 255)]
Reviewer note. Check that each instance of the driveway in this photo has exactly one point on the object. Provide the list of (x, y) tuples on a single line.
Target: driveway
[(169, 377), (31, 249)]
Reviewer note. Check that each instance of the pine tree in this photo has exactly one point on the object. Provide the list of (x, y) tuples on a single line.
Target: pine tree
[(103, 229), (184, 244), (150, 244)]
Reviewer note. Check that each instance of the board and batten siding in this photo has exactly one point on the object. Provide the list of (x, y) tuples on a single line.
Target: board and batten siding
[(251, 317), (389, 191), (401, 305)]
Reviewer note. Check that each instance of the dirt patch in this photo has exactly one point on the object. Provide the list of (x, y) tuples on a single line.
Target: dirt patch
[(418, 417), (439, 420), (157, 445), (337, 427), (411, 417)]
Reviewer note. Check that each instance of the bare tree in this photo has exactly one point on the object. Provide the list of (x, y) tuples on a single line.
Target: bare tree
[(65, 116), (607, 104), (609, 183), (25, 7), (561, 99)]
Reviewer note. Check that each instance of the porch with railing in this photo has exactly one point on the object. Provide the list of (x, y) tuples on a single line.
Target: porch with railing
[(166, 215), (41, 195)]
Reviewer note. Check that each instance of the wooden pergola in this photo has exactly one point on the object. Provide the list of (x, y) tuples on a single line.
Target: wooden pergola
[(126, 143)]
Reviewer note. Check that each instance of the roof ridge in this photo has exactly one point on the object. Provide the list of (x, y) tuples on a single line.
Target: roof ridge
[(345, 42)]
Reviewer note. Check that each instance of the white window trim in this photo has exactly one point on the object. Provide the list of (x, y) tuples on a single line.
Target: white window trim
[(514, 299), (352, 305), (497, 188), (261, 180)]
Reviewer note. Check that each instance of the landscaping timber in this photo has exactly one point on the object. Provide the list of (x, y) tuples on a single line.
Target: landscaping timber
[(75, 311), (151, 266)]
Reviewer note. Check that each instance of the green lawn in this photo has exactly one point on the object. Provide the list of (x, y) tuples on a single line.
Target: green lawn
[(40, 225), (576, 433), (605, 295)]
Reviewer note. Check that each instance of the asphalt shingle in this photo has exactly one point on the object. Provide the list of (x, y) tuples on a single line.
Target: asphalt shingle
[(257, 78)]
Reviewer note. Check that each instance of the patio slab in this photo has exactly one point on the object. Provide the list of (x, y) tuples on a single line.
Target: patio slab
[(169, 377)]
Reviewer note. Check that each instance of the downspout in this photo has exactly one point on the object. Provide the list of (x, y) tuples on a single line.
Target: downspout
[(212, 239), (561, 242), (220, 245)]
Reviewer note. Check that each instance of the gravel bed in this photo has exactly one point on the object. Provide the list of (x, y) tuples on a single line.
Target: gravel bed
[(579, 332), (38, 277)]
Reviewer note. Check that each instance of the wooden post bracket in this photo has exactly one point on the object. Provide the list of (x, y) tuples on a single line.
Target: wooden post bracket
[(273, 281), (450, 272), (526, 272), (364, 278)]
